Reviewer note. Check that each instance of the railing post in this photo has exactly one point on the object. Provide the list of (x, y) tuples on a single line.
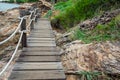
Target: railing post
[(32, 23), (36, 16), (23, 28)]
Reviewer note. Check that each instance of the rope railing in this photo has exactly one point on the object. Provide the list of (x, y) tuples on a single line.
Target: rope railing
[(22, 38), (6, 66), (4, 41), (7, 39)]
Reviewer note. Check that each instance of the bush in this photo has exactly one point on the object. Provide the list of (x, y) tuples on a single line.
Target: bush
[(105, 32), (74, 11)]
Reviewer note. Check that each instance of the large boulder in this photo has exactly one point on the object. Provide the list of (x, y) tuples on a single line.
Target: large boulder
[(104, 56)]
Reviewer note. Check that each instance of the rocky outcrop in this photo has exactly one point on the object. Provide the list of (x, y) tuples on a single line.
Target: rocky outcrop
[(9, 20), (104, 56), (44, 5), (103, 19), (62, 39)]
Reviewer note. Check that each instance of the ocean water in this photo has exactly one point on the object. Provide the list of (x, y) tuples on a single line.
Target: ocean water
[(6, 6)]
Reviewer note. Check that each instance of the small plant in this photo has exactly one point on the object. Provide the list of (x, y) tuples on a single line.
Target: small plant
[(110, 31), (86, 75)]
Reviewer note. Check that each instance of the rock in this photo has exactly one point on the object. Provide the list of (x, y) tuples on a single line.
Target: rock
[(2, 13), (44, 6), (103, 19), (63, 38), (1, 64), (104, 56)]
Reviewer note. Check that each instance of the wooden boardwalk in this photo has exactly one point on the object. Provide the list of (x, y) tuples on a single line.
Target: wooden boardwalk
[(41, 59)]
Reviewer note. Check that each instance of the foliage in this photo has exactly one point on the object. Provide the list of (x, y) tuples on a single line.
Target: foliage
[(74, 11), (105, 32), (86, 75), (49, 13), (63, 5)]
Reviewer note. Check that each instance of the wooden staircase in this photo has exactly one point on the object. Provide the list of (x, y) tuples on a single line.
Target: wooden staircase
[(41, 59)]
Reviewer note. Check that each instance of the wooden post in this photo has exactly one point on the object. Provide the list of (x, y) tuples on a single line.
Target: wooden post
[(36, 12), (32, 23), (23, 27)]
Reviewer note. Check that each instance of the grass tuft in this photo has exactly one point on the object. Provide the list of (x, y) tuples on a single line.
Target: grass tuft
[(105, 32)]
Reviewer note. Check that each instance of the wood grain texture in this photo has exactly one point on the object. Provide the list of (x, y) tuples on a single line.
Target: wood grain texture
[(40, 44), (39, 59), (38, 75), (40, 53), (38, 66), (41, 49)]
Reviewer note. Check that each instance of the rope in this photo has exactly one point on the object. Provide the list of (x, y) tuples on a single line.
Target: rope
[(28, 28), (5, 67), (14, 53), (4, 41)]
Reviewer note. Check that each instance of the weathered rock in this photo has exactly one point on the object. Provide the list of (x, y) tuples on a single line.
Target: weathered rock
[(44, 6), (62, 39), (103, 56), (103, 19)]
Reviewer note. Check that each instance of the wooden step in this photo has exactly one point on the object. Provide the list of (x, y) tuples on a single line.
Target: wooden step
[(42, 31), (40, 53), (25, 66), (40, 39), (42, 35), (39, 30), (37, 75), (43, 28), (40, 49), (39, 59), (41, 44)]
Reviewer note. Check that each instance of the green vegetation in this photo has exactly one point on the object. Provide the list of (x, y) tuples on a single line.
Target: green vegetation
[(105, 32), (89, 75), (74, 11), (22, 1), (85, 75)]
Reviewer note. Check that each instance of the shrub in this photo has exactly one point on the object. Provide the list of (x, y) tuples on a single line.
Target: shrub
[(74, 11)]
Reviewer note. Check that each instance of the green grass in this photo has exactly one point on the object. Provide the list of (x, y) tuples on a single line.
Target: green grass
[(74, 11), (63, 5), (106, 32), (87, 75)]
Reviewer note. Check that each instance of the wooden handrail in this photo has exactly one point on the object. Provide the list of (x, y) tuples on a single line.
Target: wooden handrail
[(33, 17), (23, 27)]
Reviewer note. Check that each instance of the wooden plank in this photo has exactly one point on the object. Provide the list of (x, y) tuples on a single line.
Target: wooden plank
[(41, 44), (37, 75), (40, 53), (40, 32), (39, 59), (43, 34), (40, 49), (37, 66), (38, 39), (49, 42), (43, 28)]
